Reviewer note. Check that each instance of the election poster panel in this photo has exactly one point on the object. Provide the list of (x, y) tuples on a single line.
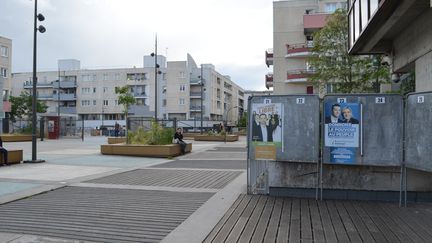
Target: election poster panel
[(342, 131), (267, 129)]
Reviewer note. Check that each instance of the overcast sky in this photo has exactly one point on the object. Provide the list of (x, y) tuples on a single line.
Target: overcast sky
[(231, 34)]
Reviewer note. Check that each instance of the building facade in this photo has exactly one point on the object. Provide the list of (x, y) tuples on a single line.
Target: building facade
[(5, 73), (294, 22), (184, 91)]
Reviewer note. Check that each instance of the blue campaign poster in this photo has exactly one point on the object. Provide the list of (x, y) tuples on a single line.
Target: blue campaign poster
[(342, 131)]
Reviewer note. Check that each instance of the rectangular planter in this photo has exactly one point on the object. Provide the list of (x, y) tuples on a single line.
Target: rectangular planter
[(16, 138), (229, 138), (115, 140), (162, 151), (14, 156)]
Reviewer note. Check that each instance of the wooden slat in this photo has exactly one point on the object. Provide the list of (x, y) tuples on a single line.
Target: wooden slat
[(261, 228), (348, 223), (253, 221), (272, 227), (381, 224), (305, 222), (221, 222), (241, 222), (369, 223), (294, 234), (232, 220), (284, 224), (359, 224), (317, 227), (338, 226), (329, 231)]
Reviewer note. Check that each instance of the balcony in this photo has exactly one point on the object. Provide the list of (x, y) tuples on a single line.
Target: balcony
[(140, 94), (29, 85), (45, 97), (64, 84), (300, 50), (314, 22), (195, 81), (195, 95), (65, 97), (195, 108), (269, 57), (299, 75), (269, 80), (67, 110)]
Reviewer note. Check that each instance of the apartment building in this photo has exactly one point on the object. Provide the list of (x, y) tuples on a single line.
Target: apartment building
[(181, 88), (5, 73), (294, 22)]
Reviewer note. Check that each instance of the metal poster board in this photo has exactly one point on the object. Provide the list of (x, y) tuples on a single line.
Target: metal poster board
[(418, 131), (363, 129), (284, 128)]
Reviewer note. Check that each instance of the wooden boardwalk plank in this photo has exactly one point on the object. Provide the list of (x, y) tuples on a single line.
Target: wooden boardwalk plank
[(253, 221), (284, 224), (272, 228), (329, 231), (305, 222), (401, 223), (261, 228), (381, 224), (232, 220), (358, 222), (241, 222), (221, 222), (339, 228), (317, 227), (294, 234), (348, 223), (369, 223)]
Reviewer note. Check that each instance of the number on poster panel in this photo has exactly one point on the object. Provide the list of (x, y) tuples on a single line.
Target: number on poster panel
[(341, 100), (420, 99), (300, 100), (380, 100)]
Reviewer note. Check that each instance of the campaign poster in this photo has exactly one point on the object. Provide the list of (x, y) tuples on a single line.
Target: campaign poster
[(267, 129), (342, 131)]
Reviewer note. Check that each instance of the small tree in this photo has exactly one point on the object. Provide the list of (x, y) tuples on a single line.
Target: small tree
[(334, 65), (22, 106), (126, 99)]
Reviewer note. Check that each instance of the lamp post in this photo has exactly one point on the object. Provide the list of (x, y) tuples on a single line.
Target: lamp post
[(41, 29), (156, 72), (202, 98), (226, 119)]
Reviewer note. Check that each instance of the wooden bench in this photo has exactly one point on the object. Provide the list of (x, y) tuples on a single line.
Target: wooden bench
[(15, 156)]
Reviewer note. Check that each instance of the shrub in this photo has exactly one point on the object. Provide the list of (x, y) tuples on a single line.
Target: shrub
[(157, 135)]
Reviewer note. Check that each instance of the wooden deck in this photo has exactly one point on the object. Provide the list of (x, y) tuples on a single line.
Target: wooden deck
[(255, 218)]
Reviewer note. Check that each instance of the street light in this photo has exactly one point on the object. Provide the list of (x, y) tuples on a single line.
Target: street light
[(226, 119), (202, 98), (41, 29), (156, 72)]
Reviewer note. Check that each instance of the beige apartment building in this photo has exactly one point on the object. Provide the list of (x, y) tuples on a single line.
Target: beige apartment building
[(294, 22), (182, 87), (5, 73)]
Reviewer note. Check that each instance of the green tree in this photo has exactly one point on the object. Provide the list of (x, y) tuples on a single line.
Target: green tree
[(333, 65), (126, 99), (242, 122), (22, 106)]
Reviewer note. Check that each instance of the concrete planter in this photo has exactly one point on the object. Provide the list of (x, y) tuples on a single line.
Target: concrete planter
[(162, 151), (219, 138), (115, 140), (16, 138)]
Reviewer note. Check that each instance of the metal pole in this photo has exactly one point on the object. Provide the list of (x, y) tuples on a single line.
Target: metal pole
[(34, 100), (155, 70), (202, 98)]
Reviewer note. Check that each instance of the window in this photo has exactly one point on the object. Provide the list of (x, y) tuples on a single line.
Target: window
[(105, 89), (182, 75), (182, 87), (94, 90), (116, 102), (105, 102), (218, 104), (105, 77), (85, 90), (88, 77), (117, 76), (3, 72), (4, 51), (94, 102), (330, 7), (85, 102), (309, 90), (181, 101)]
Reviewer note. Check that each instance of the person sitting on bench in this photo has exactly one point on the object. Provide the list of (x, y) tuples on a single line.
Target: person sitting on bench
[(178, 137), (4, 152)]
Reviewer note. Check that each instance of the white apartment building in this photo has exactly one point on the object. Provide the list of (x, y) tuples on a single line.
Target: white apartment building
[(5, 73), (181, 88), (294, 22)]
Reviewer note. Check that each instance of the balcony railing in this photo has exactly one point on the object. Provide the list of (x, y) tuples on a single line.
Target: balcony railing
[(269, 57), (269, 80), (45, 97), (195, 94), (64, 84), (314, 21), (29, 85), (195, 108), (299, 75), (68, 110), (67, 97), (300, 49)]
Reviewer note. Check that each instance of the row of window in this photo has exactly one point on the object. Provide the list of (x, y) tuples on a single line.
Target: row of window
[(93, 102), (360, 11), (3, 72), (4, 51)]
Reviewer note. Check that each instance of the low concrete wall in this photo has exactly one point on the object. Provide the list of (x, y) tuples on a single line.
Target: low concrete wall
[(14, 156), (115, 140), (229, 138), (162, 151), (16, 138)]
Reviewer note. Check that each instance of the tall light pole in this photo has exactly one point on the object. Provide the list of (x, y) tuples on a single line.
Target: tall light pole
[(226, 119), (156, 66), (41, 29), (202, 98)]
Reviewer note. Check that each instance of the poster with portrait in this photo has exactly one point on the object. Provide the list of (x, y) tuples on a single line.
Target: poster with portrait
[(267, 129), (342, 131)]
